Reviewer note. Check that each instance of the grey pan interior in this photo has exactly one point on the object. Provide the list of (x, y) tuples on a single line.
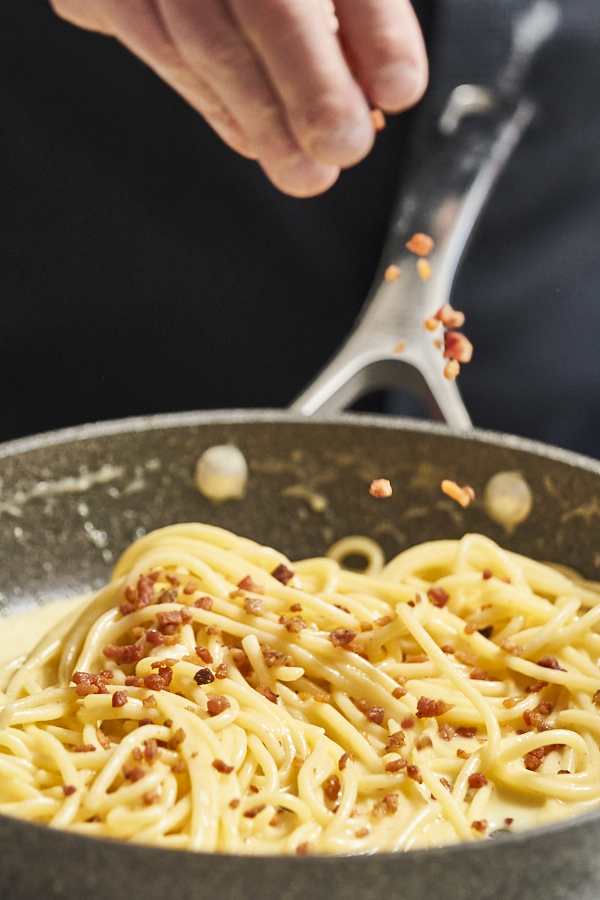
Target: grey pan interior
[(72, 500)]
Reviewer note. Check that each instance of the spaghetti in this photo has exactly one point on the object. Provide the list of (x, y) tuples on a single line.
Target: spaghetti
[(216, 697)]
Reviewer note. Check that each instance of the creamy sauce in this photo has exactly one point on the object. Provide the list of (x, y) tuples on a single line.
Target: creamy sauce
[(20, 632)]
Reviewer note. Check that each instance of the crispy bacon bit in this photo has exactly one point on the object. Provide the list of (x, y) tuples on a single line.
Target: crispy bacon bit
[(145, 589), (398, 692), (204, 676), (479, 674), (381, 487), (466, 731), (545, 707), (438, 596), (254, 811), (240, 659), (383, 621), (420, 244), (392, 273), (400, 347), (452, 370), (177, 739), (379, 809), (159, 681), (233, 804), (449, 317), (361, 832), (462, 495), (190, 587), (297, 607), (462, 754), (168, 596), (596, 698), (416, 658), (470, 627), (487, 574), (137, 754), (391, 801), (445, 783), (68, 789), (331, 787), (366, 626), (396, 765), (155, 638), (130, 593), (536, 687), (221, 766), (446, 732), (408, 722), (422, 742), (303, 849), (424, 269), (178, 767), (203, 603), (103, 739), (83, 748), (377, 119), (149, 701), (564, 772), (150, 797), (134, 681), (532, 762), (265, 691), (221, 671), (172, 579), (150, 751), (448, 649), (431, 324), (550, 662), (413, 772), (254, 606), (477, 780), (127, 654), (343, 761), (126, 608), (342, 637), (429, 709), (282, 574), (375, 714), (119, 698), (511, 647), (87, 683), (248, 584), (509, 703), (394, 742), (457, 346), (295, 625), (467, 659), (274, 657), (480, 826), (204, 654)]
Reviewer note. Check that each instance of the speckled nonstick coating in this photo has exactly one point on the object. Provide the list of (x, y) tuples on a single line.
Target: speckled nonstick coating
[(63, 538)]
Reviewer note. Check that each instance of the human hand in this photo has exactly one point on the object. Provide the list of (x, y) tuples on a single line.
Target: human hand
[(272, 77)]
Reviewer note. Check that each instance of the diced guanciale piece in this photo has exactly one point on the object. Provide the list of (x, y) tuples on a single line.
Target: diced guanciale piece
[(596, 698), (457, 346), (381, 487), (532, 762), (204, 676), (394, 742), (414, 773), (190, 587), (424, 269), (550, 662), (467, 659), (254, 811), (274, 657), (254, 606), (479, 674), (159, 681), (83, 748), (221, 766), (204, 654), (133, 773), (126, 654), (119, 698), (462, 495), (396, 765), (416, 658), (331, 787), (282, 574), (221, 671), (375, 714), (438, 596), (452, 370), (511, 647), (265, 691), (203, 603), (68, 789), (126, 608), (408, 722), (377, 119), (248, 584), (145, 589), (392, 273), (487, 574), (216, 704), (449, 317), (466, 731), (420, 244), (150, 751), (480, 826), (429, 709), (342, 637), (155, 638), (295, 625), (477, 780), (446, 732), (343, 761), (89, 683)]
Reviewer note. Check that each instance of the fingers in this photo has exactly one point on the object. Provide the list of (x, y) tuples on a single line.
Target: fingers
[(386, 48), (80, 14), (214, 45), (324, 106)]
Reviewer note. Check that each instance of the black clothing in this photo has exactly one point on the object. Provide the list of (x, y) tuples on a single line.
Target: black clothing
[(147, 268)]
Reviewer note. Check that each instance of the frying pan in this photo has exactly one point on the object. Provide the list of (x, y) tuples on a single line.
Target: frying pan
[(71, 501), (83, 494)]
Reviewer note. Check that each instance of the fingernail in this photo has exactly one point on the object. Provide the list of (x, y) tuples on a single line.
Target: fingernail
[(399, 85)]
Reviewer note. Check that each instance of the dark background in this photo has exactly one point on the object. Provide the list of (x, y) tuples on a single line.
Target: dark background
[(144, 267)]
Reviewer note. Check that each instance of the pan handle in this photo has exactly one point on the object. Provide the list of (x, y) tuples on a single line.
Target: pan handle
[(464, 136)]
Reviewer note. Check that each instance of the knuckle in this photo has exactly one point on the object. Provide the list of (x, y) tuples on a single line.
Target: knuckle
[(389, 47), (329, 112)]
